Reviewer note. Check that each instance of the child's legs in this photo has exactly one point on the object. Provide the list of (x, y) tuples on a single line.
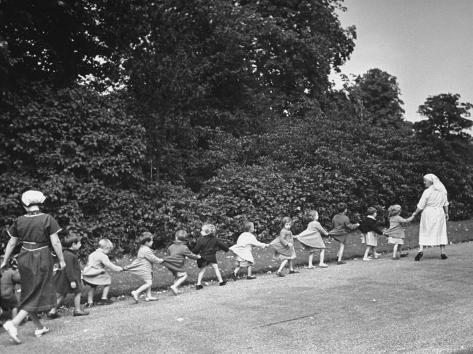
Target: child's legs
[(90, 295), (322, 256), (311, 258), (60, 299), (20, 316), (283, 264), (395, 250), (291, 264), (105, 291), (373, 251), (36, 321), (237, 269), (250, 271), (179, 281), (14, 312), (146, 286), (421, 248), (217, 272), (77, 301), (200, 275), (367, 252), (340, 251)]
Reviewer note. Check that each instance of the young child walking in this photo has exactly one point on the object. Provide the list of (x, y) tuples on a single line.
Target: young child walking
[(370, 228), (283, 246), (10, 277), (175, 261), (142, 266), (395, 232), (243, 250), (95, 272), (342, 226), (311, 239), (207, 246), (68, 280)]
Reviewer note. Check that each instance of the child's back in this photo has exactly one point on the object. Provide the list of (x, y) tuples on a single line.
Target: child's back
[(207, 246), (8, 280)]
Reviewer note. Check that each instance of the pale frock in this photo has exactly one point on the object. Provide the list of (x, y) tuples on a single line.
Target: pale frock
[(244, 246), (433, 225)]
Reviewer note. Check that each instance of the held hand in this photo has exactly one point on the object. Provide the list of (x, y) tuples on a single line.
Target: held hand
[(290, 244), (3, 265), (62, 264), (447, 217), (73, 285)]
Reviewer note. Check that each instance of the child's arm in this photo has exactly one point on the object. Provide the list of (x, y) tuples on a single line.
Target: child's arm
[(321, 229), (106, 262), (349, 226), (150, 256), (189, 254), (222, 246), (197, 247), (255, 242)]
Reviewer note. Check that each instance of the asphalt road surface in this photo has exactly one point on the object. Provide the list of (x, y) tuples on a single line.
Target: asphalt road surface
[(382, 306)]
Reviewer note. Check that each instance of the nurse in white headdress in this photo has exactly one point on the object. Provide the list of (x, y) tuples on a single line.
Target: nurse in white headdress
[(433, 222)]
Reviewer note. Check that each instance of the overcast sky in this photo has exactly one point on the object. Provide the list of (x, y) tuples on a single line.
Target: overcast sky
[(426, 44)]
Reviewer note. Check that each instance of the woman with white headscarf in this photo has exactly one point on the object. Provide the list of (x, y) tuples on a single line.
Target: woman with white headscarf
[(433, 222)]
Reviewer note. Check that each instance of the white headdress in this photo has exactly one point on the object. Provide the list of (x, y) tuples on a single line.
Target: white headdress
[(436, 184), (32, 198)]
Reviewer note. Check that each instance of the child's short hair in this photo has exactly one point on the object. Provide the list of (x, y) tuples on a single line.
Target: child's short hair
[(69, 240), (208, 229), (312, 215), (181, 235), (248, 226), (145, 237), (371, 211), (105, 243), (394, 210), (341, 207), (285, 220)]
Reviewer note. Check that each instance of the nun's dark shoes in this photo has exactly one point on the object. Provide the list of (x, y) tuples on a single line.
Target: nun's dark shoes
[(418, 256)]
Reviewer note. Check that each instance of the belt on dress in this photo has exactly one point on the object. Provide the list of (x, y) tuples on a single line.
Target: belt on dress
[(34, 246)]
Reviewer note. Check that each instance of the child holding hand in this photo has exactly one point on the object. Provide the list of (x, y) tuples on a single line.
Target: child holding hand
[(95, 272), (370, 228), (142, 266), (311, 238), (243, 250), (395, 232), (283, 246), (10, 277)]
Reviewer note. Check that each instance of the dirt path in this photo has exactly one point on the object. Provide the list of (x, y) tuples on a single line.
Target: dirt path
[(381, 306)]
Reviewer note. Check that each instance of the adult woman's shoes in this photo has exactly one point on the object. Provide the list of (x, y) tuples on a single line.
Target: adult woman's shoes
[(418, 256), (443, 256)]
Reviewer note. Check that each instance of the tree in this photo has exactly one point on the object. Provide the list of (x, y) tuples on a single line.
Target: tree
[(446, 117)]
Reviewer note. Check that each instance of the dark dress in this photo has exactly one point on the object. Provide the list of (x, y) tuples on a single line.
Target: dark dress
[(64, 277), (35, 261), (207, 247), (178, 252)]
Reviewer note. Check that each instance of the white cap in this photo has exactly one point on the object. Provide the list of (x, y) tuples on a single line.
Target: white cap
[(32, 197)]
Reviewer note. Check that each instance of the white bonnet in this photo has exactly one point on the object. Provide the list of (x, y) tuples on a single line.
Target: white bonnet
[(32, 198)]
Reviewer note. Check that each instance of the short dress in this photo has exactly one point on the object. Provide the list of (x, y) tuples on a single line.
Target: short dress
[(175, 261), (370, 239), (142, 266), (64, 277), (396, 233), (280, 245), (35, 261), (244, 249), (341, 228), (311, 238), (95, 273)]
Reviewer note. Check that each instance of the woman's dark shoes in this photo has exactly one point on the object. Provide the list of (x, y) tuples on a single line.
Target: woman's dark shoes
[(53, 315), (293, 271), (443, 256), (404, 254), (418, 256)]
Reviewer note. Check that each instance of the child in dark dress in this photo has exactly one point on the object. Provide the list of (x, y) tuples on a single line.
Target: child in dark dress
[(175, 261), (68, 280), (207, 247), (370, 228), (8, 281)]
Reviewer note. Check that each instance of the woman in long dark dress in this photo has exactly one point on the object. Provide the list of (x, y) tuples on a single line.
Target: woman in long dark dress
[(38, 233)]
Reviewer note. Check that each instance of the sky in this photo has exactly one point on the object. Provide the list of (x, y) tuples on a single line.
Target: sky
[(426, 44)]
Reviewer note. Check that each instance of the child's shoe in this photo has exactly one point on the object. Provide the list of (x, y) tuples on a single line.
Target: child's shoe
[(39, 332), (174, 290), (135, 296), (376, 255), (418, 256), (105, 302), (12, 331), (89, 305), (53, 315), (443, 256), (341, 262), (77, 313), (199, 287), (151, 298), (293, 271), (309, 267), (222, 283), (279, 274), (323, 265), (234, 277), (367, 259), (250, 277)]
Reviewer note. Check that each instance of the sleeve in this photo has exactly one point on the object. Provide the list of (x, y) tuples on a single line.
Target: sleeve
[(52, 227), (423, 199), (402, 220), (222, 246), (348, 225), (378, 228), (13, 230), (254, 242), (197, 247), (150, 256), (69, 267), (106, 262), (320, 228), (187, 252)]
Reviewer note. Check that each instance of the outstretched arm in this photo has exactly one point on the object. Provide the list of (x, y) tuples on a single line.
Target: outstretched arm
[(8, 251)]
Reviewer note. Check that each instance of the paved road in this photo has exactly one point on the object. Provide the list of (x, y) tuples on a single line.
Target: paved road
[(381, 306)]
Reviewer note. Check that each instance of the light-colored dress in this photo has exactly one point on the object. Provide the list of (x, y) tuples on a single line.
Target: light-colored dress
[(433, 224), (142, 266), (311, 238), (396, 233), (95, 272), (244, 247), (281, 247)]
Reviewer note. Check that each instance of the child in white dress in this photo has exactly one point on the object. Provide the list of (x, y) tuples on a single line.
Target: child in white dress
[(243, 250), (311, 239)]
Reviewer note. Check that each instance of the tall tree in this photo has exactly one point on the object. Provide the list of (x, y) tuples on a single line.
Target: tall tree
[(447, 117)]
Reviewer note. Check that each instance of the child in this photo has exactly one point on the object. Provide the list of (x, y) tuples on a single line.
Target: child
[(396, 232), (311, 238), (95, 274), (370, 227), (207, 246), (243, 250), (283, 246), (176, 259), (143, 267), (341, 228), (68, 280), (10, 277)]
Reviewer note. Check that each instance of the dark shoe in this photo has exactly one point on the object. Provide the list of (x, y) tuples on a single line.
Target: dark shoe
[(250, 277), (418, 256), (199, 287), (443, 256), (404, 254), (234, 277), (222, 283), (279, 274), (105, 302), (89, 305), (79, 313), (53, 315), (341, 262), (293, 272)]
